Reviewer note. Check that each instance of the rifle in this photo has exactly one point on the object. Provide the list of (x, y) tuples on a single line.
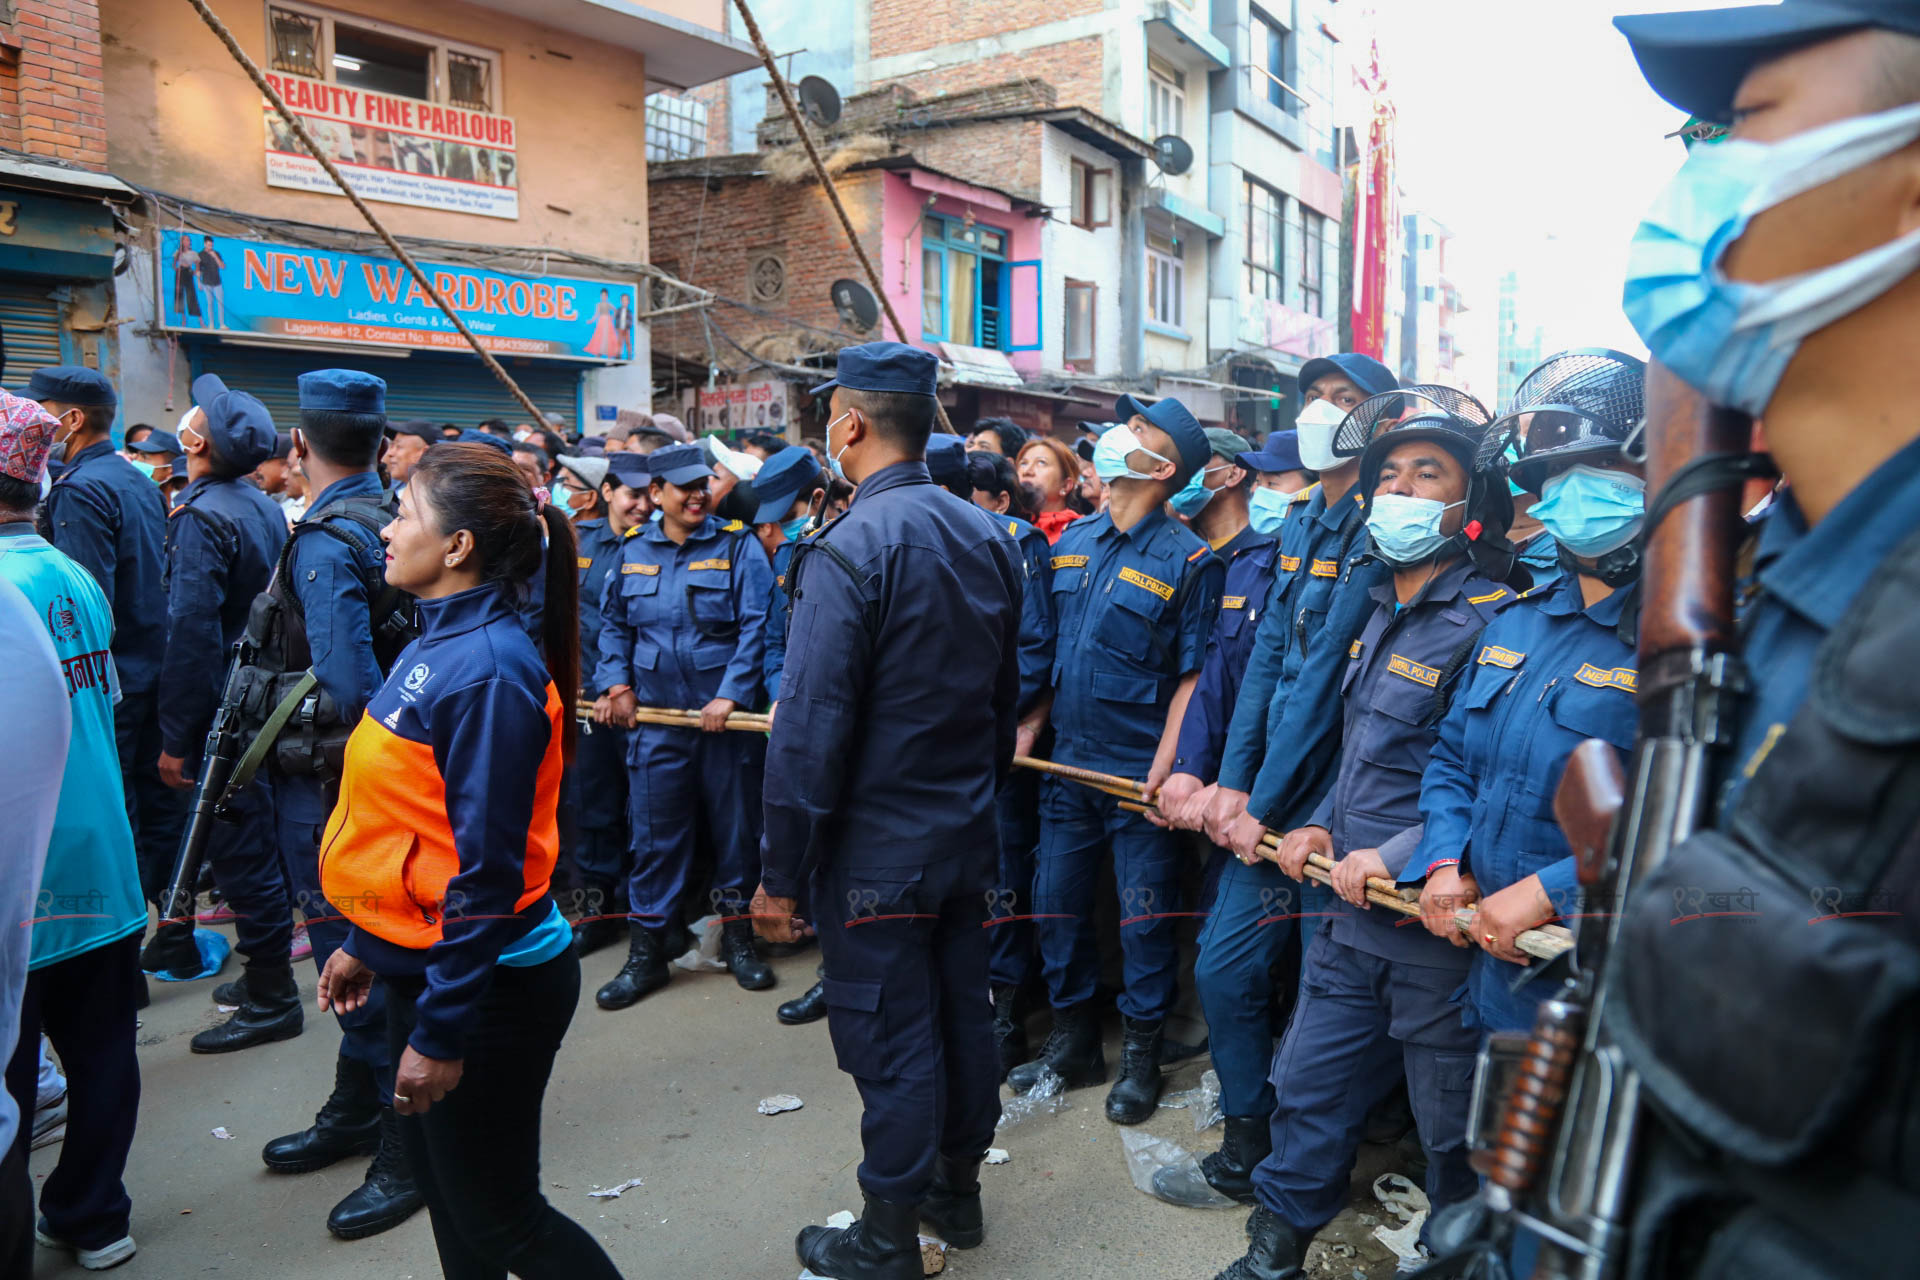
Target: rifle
[(172, 944), (1564, 1148)]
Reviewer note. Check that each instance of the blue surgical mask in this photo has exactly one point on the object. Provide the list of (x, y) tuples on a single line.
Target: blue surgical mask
[(1406, 531), (1732, 340), (1267, 510), (1194, 497), (1591, 511), (833, 459), (793, 528), (1111, 451)]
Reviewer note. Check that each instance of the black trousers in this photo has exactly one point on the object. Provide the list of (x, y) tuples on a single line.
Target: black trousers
[(476, 1153), (87, 1005), (157, 813)]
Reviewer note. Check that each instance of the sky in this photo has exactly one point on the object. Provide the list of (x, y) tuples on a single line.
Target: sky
[(1526, 128)]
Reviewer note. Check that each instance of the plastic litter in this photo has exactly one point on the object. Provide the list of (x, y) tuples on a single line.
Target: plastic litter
[(1047, 1097), (704, 955), (997, 1155), (220, 1132), (780, 1102), (933, 1250), (1203, 1101), (214, 950), (1167, 1171), (614, 1193), (1409, 1204)]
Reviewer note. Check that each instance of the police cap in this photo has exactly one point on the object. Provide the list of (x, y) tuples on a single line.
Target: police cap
[(343, 391), (629, 469), (679, 464), (782, 479), (71, 384), (885, 366), (238, 427)]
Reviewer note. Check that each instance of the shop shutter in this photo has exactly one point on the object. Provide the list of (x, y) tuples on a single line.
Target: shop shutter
[(436, 388), (30, 317)]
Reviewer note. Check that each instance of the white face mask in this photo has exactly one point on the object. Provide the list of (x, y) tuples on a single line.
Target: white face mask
[(1316, 425)]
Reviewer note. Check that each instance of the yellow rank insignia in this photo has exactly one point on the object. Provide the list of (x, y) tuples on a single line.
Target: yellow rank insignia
[(583, 562), (1289, 563), (1233, 602), (1626, 678), (1196, 555), (697, 565), (1013, 527), (650, 570), (1488, 598), (1325, 569), (732, 526), (1494, 656), (1069, 562), (1417, 672), (1139, 579)]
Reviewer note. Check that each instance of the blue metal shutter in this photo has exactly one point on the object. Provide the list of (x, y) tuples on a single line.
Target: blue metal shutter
[(30, 317)]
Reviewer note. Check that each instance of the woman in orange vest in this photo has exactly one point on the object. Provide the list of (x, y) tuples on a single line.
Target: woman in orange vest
[(441, 849)]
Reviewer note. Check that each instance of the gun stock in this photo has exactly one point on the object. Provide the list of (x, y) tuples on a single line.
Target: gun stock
[(1592, 792)]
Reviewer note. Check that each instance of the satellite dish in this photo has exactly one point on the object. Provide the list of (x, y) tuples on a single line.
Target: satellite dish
[(820, 100), (1172, 153), (858, 308)]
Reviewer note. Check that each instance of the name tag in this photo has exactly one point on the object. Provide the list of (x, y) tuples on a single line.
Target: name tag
[(1069, 562), (1417, 672), (649, 569), (1494, 656), (1353, 650), (1233, 602), (1627, 678), (1325, 569), (584, 562), (780, 581), (1289, 563), (1140, 579), (697, 565)]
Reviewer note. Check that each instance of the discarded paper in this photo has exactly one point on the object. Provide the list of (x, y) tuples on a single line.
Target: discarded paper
[(1408, 1203), (704, 955), (220, 1132), (997, 1155), (614, 1193), (780, 1102)]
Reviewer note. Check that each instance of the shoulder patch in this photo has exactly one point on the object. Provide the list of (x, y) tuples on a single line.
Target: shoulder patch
[(1233, 602), (1626, 678), (1494, 656), (1289, 563), (650, 570), (631, 532), (1490, 597), (1324, 568), (1069, 562), (584, 562), (1196, 555), (1159, 588), (1417, 672), (722, 565)]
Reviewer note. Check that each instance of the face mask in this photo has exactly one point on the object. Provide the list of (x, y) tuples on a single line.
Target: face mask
[(1267, 510), (793, 528), (1316, 425), (1591, 511), (1733, 340), (833, 459), (1193, 499), (559, 495), (1111, 451), (1406, 531)]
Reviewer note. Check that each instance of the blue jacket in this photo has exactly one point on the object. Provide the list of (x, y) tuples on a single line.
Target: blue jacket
[(686, 624), (1134, 610), (896, 717), (1203, 733), (332, 590), (223, 539), (1399, 673), (599, 552), (1037, 634), (111, 520), (775, 658)]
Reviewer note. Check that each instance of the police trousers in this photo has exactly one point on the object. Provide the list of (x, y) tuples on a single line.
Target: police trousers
[(599, 781), (1253, 921), (156, 812), (247, 870), (908, 1010), (684, 783), (1360, 1018), (1010, 928), (301, 818)]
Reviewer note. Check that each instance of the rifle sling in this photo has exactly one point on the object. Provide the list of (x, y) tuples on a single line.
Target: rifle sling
[(256, 752)]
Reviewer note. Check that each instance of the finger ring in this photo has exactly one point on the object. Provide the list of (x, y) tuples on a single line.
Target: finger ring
[(401, 1097)]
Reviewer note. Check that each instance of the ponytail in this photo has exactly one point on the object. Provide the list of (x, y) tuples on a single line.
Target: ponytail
[(560, 616)]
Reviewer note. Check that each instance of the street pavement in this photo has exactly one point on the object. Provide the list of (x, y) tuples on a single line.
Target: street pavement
[(665, 1092)]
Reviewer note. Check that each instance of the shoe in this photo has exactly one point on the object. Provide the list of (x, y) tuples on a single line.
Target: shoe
[(953, 1205), (1248, 1141), (600, 926), (736, 947), (217, 913), (50, 1123), (302, 944), (387, 1198), (644, 973), (1009, 1033), (104, 1258), (232, 993), (1136, 1091), (1275, 1251), (270, 1012), (171, 950), (348, 1124), (1072, 1052), (810, 1007), (883, 1245)]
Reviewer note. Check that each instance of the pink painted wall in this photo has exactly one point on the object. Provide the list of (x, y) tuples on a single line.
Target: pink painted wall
[(905, 204)]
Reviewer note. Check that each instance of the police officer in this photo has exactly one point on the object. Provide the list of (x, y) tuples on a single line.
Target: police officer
[(334, 616), (894, 727), (110, 518), (1372, 995), (1135, 595), (786, 485), (601, 849), (683, 624), (1542, 680), (223, 540)]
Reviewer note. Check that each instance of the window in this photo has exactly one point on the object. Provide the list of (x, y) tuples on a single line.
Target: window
[(1262, 224), (1092, 195), (963, 277), (363, 54), (1313, 257), (1426, 242), (1267, 50), (676, 127), (1078, 346), (1426, 294), (1166, 283), (1166, 98)]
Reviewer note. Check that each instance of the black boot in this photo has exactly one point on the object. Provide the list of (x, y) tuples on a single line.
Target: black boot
[(736, 946), (644, 973), (1248, 1141), (1275, 1251), (883, 1245), (954, 1203), (271, 1012), (348, 1124), (1072, 1052), (1137, 1089), (810, 1007), (600, 925), (1009, 1033), (232, 993), (171, 950), (387, 1198)]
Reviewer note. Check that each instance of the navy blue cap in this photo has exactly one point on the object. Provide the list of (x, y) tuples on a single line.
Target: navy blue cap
[(486, 438), (629, 469), (1189, 437), (783, 478), (163, 442), (343, 391), (947, 461), (419, 428), (1696, 60), (179, 469), (1364, 372), (885, 366), (1281, 452), (283, 445), (679, 464), (71, 384), (238, 426)]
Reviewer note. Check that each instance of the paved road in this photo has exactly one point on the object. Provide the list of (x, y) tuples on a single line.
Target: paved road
[(665, 1092)]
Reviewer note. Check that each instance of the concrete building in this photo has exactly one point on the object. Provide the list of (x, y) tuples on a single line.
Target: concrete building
[(1521, 337), (1433, 303)]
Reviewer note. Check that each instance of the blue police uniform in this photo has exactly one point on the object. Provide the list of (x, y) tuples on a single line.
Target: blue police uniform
[(223, 539), (1544, 678), (775, 658), (1018, 804), (1134, 610), (895, 729), (1252, 562), (684, 625), (1375, 995), (111, 519), (599, 772)]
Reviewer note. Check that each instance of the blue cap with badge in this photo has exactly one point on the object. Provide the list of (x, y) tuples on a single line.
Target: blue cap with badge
[(782, 479), (1188, 436), (947, 462), (629, 469), (239, 428), (1281, 452), (73, 385), (885, 366), (343, 391), (680, 464)]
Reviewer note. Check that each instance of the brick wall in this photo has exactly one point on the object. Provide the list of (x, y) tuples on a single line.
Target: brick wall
[(1075, 68), (905, 26), (1002, 154), (894, 106), (50, 98)]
